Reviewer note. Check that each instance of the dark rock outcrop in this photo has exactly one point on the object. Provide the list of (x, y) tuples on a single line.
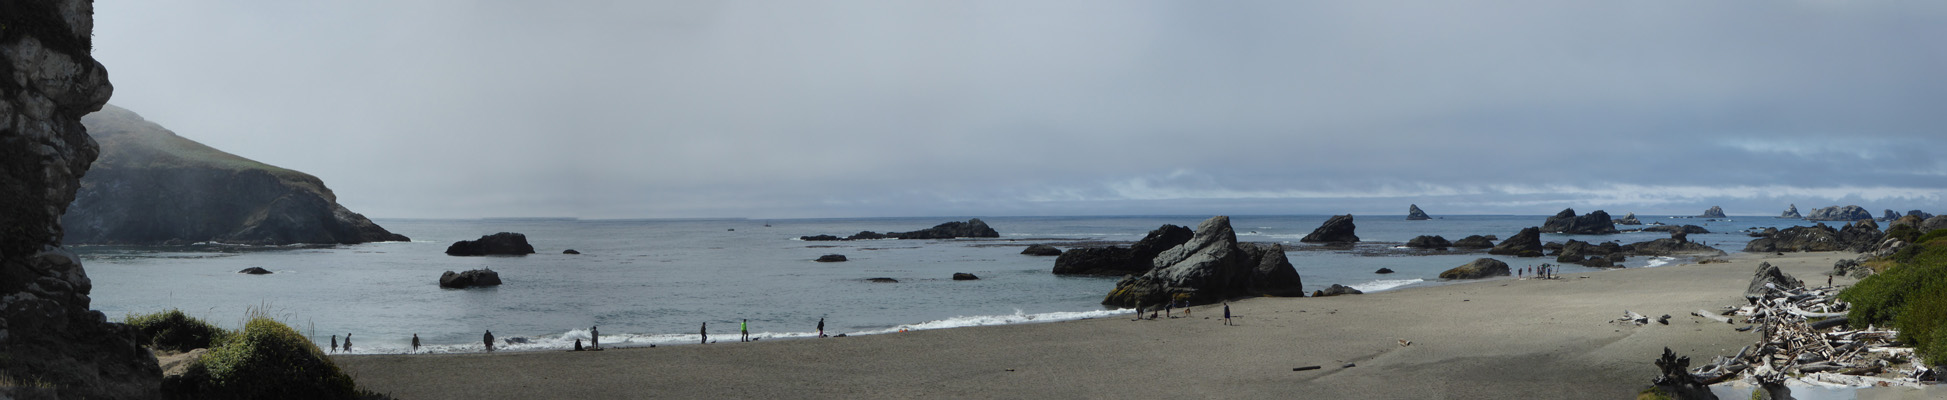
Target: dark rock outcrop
[(973, 228), (1210, 267), (1687, 229), (1595, 223), (1628, 220), (1413, 213), (470, 278), (1791, 212), (1041, 250), (1678, 244), (1858, 237), (962, 276), (1850, 268), (1675, 380), (1429, 242), (1336, 290), (1474, 242), (1906, 220), (1714, 212), (1890, 216), (504, 243), (153, 187), (1480, 268), (255, 271), (1117, 261), (1837, 213), (1590, 255), (1338, 229), (47, 333), (882, 280), (1524, 244), (1772, 276), (1923, 215), (1383, 271), (570, 251), (831, 258), (1935, 223)]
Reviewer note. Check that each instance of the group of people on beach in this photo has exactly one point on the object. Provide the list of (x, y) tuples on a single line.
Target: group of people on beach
[(1544, 271), (594, 338), (1170, 308)]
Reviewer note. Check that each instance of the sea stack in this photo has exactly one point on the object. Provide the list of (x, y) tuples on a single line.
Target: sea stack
[(1628, 220), (1791, 212), (1413, 213), (1338, 229), (504, 243), (1595, 223), (1714, 212)]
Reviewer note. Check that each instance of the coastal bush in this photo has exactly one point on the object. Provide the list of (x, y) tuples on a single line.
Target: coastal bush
[(1905, 233), (1907, 296), (173, 331), (1935, 235), (266, 360)]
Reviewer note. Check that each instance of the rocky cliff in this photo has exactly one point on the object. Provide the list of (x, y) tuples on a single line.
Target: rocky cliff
[(151, 186), (48, 81)]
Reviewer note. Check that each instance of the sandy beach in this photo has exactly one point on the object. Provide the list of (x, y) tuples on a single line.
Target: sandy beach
[(1496, 338)]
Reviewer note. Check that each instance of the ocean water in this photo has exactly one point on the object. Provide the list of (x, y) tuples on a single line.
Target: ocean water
[(647, 282)]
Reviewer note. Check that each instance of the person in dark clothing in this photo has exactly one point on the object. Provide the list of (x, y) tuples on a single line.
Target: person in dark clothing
[(821, 327), (1226, 313), (415, 342), (334, 343), (488, 339), (348, 343), (704, 332)]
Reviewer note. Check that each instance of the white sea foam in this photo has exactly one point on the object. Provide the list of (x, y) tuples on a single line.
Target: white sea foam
[(1018, 317), (1660, 261), (1384, 284)]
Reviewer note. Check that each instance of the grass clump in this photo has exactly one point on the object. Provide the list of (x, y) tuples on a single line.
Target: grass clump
[(1907, 296), (266, 360), (174, 331)]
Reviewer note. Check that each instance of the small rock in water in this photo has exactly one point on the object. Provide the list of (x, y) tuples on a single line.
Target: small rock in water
[(1383, 271), (831, 258), (882, 280), (962, 276), (254, 271), (570, 251)]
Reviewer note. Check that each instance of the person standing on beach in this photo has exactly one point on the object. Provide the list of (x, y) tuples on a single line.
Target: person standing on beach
[(594, 337), (1169, 308), (488, 339), (746, 329), (415, 343), (1226, 313), (705, 333), (334, 343), (821, 326)]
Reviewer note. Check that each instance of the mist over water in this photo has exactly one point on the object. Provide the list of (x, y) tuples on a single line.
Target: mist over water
[(647, 282)]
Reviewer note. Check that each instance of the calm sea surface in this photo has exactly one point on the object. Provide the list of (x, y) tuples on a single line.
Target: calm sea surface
[(657, 281)]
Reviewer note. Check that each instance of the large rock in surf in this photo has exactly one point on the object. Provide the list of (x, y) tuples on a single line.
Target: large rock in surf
[(1429, 242), (1212, 266), (1791, 212), (1770, 276), (471, 278), (1857, 237), (1678, 244), (1604, 255), (1524, 244), (1474, 242), (1480, 268), (973, 228), (1837, 213), (1118, 261), (1338, 229), (152, 187), (1714, 212), (1041, 250), (1595, 223), (1628, 220), (48, 336), (504, 243), (1413, 213), (1336, 290), (1686, 229)]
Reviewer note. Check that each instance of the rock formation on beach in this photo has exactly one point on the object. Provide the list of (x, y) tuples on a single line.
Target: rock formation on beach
[(1767, 278), (1474, 242), (1678, 244), (1118, 261), (1857, 237), (1524, 244), (1714, 212), (1338, 229), (1429, 242), (1480, 268), (973, 228), (1041, 250), (1628, 220), (504, 243), (1791, 212), (1336, 290), (1837, 213), (152, 187), (1595, 223), (1413, 213), (1604, 255), (1212, 266), (470, 278), (47, 333)]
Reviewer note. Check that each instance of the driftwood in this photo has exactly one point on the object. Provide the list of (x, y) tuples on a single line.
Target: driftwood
[(1710, 316), (1793, 347)]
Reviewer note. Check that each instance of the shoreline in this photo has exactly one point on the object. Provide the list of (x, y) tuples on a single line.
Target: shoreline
[(1495, 338)]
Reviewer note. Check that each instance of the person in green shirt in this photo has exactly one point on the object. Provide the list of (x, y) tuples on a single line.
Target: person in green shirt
[(746, 329)]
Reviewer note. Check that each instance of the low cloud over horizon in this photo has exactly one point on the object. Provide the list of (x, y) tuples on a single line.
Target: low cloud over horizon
[(458, 109)]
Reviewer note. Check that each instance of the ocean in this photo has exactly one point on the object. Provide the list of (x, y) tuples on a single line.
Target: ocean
[(656, 282)]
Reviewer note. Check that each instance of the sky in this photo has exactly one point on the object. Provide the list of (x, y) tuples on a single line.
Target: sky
[(820, 109)]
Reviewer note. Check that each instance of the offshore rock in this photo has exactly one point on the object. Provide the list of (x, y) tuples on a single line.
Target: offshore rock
[(1837, 213), (152, 187), (1586, 254), (504, 243), (1474, 242), (471, 278), (1595, 223), (47, 333), (1628, 220), (1854, 237), (1480, 268), (1429, 242), (1413, 213), (831, 258), (1118, 261), (1890, 216), (1923, 215), (1687, 229), (1791, 212), (1524, 244), (255, 271), (1212, 266), (962, 276), (1714, 212), (973, 228), (1041, 250), (1338, 229), (1677, 244)]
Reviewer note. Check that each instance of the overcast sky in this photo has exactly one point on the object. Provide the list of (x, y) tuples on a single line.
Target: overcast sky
[(780, 109)]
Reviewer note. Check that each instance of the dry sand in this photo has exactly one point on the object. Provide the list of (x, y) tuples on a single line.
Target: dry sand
[(1496, 338)]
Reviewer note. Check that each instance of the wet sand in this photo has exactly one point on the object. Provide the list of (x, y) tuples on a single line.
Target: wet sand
[(1496, 338)]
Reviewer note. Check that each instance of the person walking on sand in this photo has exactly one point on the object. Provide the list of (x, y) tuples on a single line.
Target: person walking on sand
[(334, 343), (1169, 308), (745, 328), (1226, 313), (415, 343), (348, 343), (821, 326), (704, 332), (488, 339)]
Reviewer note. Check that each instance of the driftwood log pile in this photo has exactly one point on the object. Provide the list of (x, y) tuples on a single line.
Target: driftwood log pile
[(1806, 339)]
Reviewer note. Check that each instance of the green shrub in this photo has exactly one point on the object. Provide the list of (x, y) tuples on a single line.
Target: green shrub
[(171, 330), (1905, 233), (1935, 235), (267, 360), (1907, 296)]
